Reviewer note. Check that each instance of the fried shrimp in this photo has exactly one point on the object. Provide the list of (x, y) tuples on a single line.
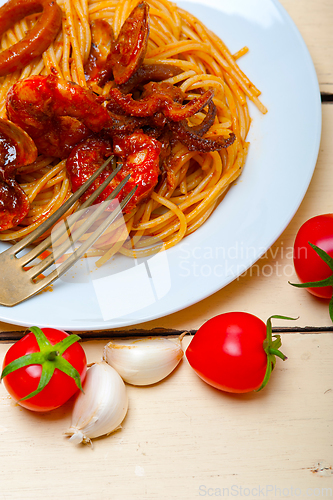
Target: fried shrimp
[(139, 155), (55, 113)]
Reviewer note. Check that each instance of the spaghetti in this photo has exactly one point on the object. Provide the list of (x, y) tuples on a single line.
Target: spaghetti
[(195, 182)]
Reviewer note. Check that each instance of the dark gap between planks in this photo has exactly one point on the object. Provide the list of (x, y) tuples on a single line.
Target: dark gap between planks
[(326, 97), (89, 335)]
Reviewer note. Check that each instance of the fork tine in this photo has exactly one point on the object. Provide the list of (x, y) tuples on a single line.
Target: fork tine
[(70, 261), (43, 245), (59, 251), (61, 211)]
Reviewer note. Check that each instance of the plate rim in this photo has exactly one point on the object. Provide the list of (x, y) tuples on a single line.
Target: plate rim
[(315, 150)]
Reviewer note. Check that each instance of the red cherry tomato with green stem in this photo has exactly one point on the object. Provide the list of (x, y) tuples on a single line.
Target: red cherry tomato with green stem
[(235, 352), (44, 369), (313, 257)]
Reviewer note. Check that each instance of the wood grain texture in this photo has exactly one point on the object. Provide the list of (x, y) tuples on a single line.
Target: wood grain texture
[(182, 438), (314, 20)]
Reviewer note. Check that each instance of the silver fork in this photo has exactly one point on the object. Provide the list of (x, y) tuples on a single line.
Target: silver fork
[(17, 283)]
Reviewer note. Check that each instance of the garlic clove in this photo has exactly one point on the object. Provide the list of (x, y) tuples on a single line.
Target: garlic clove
[(146, 360), (101, 408)]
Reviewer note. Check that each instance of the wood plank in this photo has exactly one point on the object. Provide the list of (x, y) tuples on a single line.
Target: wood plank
[(183, 439), (314, 20)]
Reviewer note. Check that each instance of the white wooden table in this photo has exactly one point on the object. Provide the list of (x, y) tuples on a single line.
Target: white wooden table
[(182, 439)]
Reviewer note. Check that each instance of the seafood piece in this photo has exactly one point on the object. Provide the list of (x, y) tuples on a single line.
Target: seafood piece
[(122, 124), (149, 73), (122, 58), (130, 48), (14, 203), (161, 97), (193, 140), (84, 160), (138, 152), (55, 113), (16, 149), (208, 121), (37, 39), (102, 39), (58, 114), (162, 102)]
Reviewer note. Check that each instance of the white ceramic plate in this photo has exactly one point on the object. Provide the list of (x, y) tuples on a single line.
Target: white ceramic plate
[(282, 157)]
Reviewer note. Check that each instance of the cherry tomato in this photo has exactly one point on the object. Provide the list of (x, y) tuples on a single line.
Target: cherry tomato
[(235, 352), (311, 266), (55, 353)]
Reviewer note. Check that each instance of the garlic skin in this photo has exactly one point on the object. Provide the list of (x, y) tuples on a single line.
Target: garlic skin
[(146, 360), (101, 408)]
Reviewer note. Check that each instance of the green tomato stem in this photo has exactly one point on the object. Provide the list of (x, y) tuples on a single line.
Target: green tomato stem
[(321, 283), (52, 355), (271, 348), (49, 357), (276, 352)]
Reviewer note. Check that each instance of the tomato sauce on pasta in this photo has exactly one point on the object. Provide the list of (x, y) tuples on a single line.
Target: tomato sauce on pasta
[(195, 181)]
